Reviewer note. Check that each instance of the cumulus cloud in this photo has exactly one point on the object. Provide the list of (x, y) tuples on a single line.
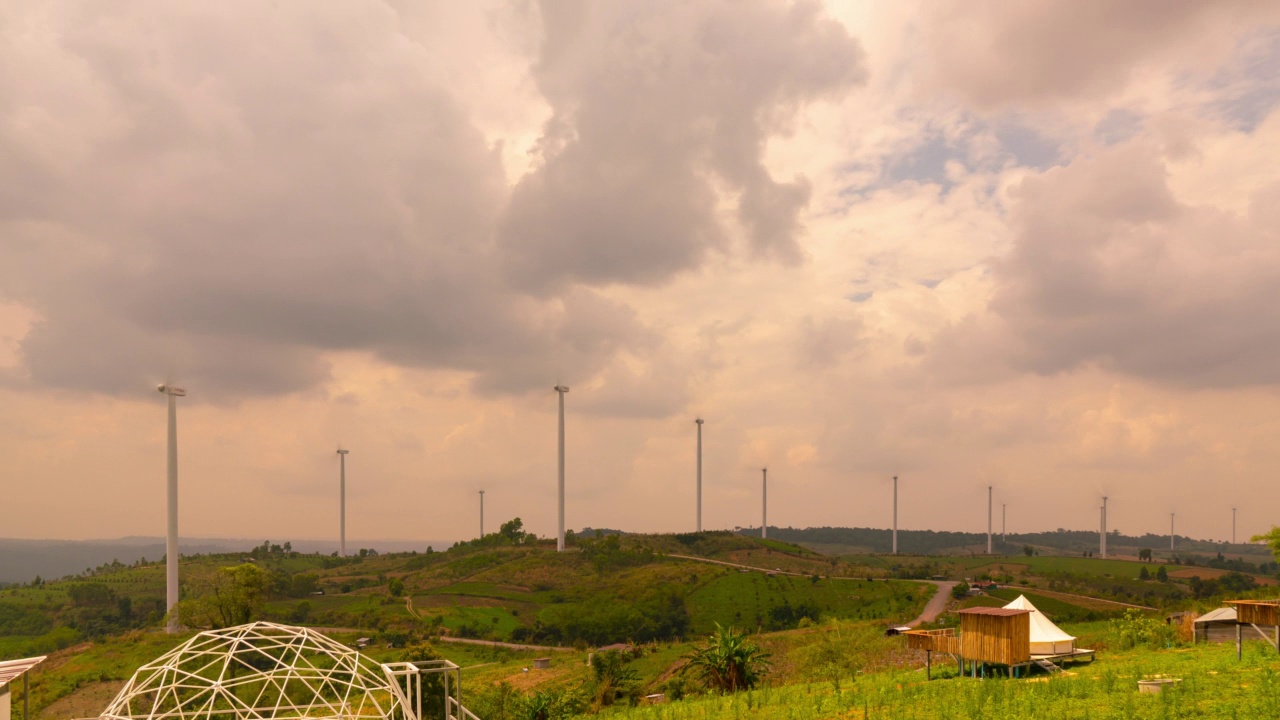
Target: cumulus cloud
[(657, 108), (999, 54), (1110, 268), (226, 193)]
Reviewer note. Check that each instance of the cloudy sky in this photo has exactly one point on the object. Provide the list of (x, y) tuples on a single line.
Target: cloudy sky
[(1034, 245)]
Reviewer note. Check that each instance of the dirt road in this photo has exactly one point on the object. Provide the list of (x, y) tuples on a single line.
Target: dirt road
[(937, 604)]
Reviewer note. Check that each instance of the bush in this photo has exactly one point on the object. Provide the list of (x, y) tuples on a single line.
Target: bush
[(1134, 629)]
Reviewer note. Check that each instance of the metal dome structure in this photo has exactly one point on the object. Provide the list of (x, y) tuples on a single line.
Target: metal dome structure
[(262, 671)]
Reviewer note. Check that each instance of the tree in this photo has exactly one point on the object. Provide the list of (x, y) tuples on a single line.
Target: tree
[(513, 531), (614, 677), (1143, 574), (230, 596), (1027, 550), (1162, 575), (395, 587), (1272, 539), (729, 662), (1145, 554)]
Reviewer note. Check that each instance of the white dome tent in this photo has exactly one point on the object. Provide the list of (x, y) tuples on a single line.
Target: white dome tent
[(1046, 638), (263, 670)]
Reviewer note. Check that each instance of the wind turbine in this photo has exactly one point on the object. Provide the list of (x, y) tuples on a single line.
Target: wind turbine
[(1102, 538), (561, 390), (895, 514), (988, 519), (342, 502), (171, 538), (699, 423), (764, 503)]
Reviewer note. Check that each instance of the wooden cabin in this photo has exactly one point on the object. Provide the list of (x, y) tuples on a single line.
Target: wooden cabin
[(996, 635)]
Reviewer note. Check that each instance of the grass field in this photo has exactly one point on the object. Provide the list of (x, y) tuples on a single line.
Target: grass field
[(745, 599), (1055, 609), (1214, 686)]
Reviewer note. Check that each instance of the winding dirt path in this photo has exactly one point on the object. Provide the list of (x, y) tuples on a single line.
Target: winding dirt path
[(937, 604)]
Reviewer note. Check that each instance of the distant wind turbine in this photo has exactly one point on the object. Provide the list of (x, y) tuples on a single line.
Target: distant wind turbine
[(988, 519), (699, 502), (561, 390), (764, 503), (895, 514), (1102, 539)]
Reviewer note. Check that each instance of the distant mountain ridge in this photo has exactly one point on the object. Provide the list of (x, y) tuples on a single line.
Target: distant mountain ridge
[(23, 560), (843, 540)]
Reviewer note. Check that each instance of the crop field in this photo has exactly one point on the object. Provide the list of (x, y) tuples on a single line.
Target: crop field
[(1075, 565), (745, 599)]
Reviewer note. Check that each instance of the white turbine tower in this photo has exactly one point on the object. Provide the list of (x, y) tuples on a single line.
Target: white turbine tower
[(561, 390), (764, 503), (699, 422), (989, 506), (482, 514), (1102, 540), (895, 514), (171, 538), (342, 502)]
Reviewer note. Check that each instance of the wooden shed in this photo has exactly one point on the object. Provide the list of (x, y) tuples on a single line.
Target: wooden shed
[(996, 635), (1257, 614)]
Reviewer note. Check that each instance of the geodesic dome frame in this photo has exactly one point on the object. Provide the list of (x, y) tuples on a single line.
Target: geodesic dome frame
[(263, 670)]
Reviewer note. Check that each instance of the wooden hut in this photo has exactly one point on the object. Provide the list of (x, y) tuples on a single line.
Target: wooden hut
[(1217, 626), (996, 635)]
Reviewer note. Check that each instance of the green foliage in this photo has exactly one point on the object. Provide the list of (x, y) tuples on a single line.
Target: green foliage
[(1162, 574), (614, 678), (550, 705), (1135, 629), (729, 662), (658, 614), (608, 553), (1271, 538), (229, 596), (960, 591), (395, 587), (90, 594)]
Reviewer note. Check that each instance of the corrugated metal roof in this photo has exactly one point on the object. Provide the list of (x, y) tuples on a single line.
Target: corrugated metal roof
[(10, 669), (994, 611), (1219, 615)]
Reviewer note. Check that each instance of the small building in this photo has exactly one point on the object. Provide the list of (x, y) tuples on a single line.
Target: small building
[(1257, 614), (541, 663), (1216, 626), (11, 670), (897, 630)]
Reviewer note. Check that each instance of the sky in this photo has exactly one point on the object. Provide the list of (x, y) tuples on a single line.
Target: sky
[(1033, 246)]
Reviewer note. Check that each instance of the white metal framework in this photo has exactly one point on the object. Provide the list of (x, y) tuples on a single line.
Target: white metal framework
[(263, 670)]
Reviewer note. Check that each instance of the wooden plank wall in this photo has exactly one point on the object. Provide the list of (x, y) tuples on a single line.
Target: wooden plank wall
[(1257, 613), (1001, 639), (935, 640)]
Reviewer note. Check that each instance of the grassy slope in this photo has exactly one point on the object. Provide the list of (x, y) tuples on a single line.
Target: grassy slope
[(1214, 686)]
